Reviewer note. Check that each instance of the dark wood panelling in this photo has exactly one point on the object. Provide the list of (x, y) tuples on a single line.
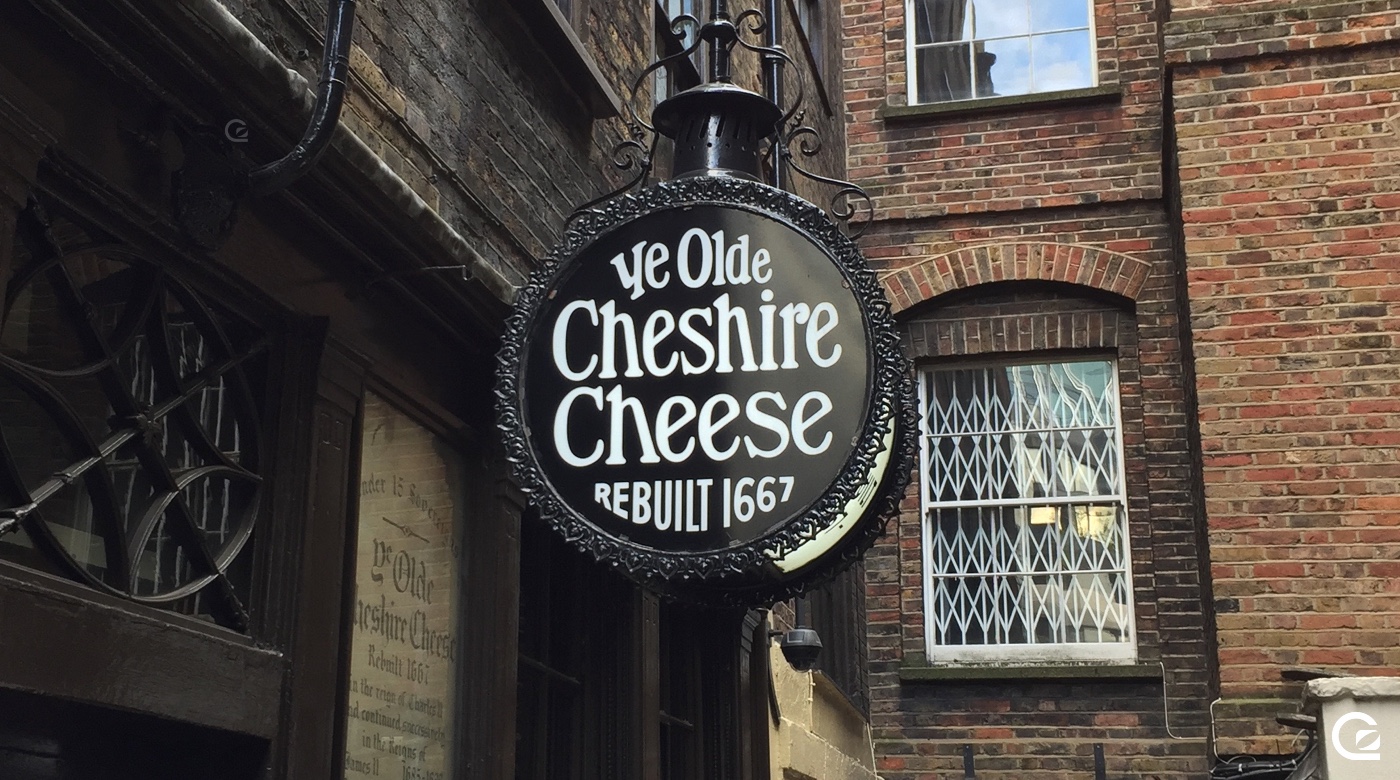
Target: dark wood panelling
[(650, 688), (72, 643), (491, 638), (44, 738), (317, 699), (289, 433)]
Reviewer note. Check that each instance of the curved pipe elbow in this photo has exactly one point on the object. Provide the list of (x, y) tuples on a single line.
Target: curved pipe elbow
[(330, 96)]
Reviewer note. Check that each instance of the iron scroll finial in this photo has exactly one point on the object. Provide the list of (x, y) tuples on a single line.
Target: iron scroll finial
[(721, 129)]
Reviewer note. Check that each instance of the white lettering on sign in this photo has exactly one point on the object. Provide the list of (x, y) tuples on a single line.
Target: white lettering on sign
[(698, 377), (652, 356), (727, 338), (688, 505), (765, 409), (701, 259)]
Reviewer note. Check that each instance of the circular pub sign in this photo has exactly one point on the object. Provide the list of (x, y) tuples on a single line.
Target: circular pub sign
[(703, 388)]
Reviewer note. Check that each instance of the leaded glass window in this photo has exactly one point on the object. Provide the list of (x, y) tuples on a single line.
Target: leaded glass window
[(129, 435), (1025, 514), (967, 49)]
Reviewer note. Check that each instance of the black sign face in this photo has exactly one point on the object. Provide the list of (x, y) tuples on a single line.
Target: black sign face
[(698, 378), (695, 390)]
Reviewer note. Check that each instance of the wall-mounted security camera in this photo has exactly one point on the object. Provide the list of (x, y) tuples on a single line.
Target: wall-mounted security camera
[(801, 647)]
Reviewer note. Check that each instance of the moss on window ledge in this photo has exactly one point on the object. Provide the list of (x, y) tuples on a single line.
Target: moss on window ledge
[(1101, 93), (917, 670)]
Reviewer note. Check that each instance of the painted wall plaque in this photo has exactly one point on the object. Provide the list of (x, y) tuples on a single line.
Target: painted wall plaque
[(404, 637), (703, 387)]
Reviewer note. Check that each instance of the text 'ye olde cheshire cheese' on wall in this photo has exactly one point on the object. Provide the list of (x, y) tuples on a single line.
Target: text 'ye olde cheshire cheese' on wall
[(404, 645)]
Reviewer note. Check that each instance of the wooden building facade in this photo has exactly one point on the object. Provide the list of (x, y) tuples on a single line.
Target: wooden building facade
[(255, 520)]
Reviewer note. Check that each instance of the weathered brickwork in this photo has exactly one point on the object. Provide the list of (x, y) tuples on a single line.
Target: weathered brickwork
[(1212, 30), (1087, 266), (1287, 138), (1045, 282), (485, 129), (458, 100), (1106, 151), (1021, 230)]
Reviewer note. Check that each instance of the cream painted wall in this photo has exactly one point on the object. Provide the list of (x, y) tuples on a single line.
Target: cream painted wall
[(820, 735)]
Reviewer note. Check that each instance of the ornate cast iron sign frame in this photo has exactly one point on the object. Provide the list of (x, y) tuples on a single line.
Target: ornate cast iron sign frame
[(870, 425)]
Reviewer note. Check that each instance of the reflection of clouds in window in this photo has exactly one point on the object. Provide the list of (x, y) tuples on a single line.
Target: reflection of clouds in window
[(1007, 70), (1048, 16), (999, 18), (965, 49), (1061, 61)]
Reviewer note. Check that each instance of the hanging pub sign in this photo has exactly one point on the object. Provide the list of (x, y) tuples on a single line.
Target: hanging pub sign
[(701, 387)]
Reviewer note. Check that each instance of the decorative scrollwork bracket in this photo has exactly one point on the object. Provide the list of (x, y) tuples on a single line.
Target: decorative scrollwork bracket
[(784, 137)]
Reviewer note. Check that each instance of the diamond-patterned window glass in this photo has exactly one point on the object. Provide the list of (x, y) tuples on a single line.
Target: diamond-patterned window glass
[(129, 436), (1025, 516)]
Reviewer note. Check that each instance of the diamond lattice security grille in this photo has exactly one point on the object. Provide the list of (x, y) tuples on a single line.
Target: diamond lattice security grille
[(1025, 512)]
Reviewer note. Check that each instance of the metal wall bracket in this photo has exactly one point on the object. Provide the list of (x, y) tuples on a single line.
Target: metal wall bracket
[(206, 190)]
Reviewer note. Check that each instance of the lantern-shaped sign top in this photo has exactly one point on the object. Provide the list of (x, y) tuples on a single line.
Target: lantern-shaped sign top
[(702, 385)]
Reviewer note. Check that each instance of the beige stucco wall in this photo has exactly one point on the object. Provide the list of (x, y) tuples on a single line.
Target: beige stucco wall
[(820, 735)]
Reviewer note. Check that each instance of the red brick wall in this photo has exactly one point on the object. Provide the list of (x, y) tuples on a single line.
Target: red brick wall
[(1104, 152), (1042, 728), (1034, 228), (1288, 151)]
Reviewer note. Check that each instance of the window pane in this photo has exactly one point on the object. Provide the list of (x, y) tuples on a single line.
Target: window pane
[(676, 8), (100, 345), (1048, 16), (944, 73), (1017, 48), (1004, 576), (938, 21), (809, 19), (999, 18), (1023, 495), (1062, 61), (1021, 432), (1003, 67)]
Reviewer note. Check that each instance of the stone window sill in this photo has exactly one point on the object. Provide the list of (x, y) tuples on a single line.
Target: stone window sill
[(921, 672), (570, 57), (1104, 93)]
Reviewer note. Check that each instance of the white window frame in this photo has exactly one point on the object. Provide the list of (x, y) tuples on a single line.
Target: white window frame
[(1021, 654), (911, 82)]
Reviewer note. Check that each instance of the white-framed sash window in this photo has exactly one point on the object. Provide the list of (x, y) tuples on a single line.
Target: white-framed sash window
[(970, 49), (1025, 542)]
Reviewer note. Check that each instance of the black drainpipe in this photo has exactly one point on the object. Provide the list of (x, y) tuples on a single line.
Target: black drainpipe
[(330, 95), (210, 184)]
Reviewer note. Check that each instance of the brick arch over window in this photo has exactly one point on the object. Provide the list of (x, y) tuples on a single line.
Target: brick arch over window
[(1089, 266)]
